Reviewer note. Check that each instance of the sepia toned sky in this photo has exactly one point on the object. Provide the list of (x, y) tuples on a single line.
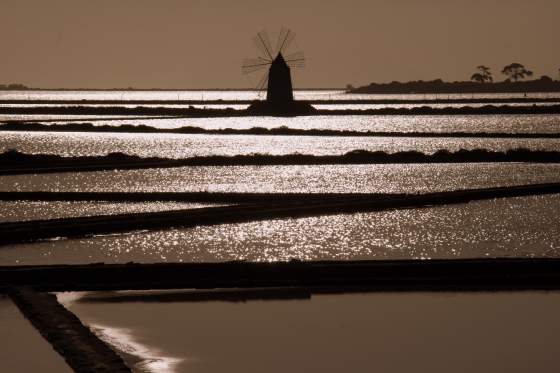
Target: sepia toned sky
[(201, 43)]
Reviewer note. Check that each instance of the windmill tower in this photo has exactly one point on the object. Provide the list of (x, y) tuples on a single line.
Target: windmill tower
[(273, 66), (279, 88)]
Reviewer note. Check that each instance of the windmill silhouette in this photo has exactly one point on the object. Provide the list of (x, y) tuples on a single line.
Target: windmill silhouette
[(273, 66)]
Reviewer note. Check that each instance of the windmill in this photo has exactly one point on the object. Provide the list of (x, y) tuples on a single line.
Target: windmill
[(273, 64)]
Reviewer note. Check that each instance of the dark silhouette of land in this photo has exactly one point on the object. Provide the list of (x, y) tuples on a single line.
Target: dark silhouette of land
[(13, 87), (13, 162), (320, 277), (15, 126), (438, 86), (295, 109)]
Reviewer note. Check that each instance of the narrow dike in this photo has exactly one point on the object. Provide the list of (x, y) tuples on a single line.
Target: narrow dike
[(29, 231), (13, 162), (81, 349)]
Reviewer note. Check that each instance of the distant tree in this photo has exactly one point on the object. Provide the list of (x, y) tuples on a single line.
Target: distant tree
[(516, 71), (349, 87), (483, 75)]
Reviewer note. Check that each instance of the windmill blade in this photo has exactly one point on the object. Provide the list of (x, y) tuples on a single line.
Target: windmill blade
[(296, 59), (285, 39), (250, 65), (262, 41), (262, 82)]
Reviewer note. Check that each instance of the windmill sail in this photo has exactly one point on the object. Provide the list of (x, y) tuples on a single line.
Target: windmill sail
[(273, 63)]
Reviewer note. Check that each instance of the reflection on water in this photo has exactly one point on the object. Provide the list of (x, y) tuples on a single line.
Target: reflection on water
[(339, 106), (353, 106), (547, 123), (34, 210), (511, 227), (183, 146), (50, 117), (138, 357), (385, 332), (23, 349), (386, 178), (125, 95)]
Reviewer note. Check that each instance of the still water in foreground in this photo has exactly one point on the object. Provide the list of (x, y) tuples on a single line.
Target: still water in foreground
[(507, 227), (23, 349), (385, 332)]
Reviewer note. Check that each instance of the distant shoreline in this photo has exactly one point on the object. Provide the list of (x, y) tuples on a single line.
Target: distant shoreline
[(25, 89), (542, 85)]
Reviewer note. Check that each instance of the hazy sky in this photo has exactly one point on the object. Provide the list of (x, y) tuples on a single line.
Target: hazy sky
[(201, 43)]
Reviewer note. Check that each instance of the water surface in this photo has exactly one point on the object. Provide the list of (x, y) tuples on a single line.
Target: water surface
[(380, 178), (385, 332), (37, 210), (308, 94), (23, 349), (507, 227), (73, 144)]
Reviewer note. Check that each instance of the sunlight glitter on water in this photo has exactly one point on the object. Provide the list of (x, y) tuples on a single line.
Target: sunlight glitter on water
[(309, 94), (546, 123), (74, 144), (509, 227), (386, 178), (34, 210), (140, 357)]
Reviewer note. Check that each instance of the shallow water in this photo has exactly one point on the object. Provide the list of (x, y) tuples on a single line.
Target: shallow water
[(339, 106), (385, 332), (35, 210), (507, 227), (240, 95), (182, 146), (23, 349), (51, 117), (541, 123), (381, 178)]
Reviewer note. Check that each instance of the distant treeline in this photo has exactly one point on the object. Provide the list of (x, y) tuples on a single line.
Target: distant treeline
[(13, 87), (544, 84)]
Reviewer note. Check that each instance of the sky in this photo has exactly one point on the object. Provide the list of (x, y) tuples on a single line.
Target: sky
[(174, 44)]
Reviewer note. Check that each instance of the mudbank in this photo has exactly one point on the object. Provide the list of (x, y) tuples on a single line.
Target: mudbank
[(14, 162), (278, 131), (258, 109)]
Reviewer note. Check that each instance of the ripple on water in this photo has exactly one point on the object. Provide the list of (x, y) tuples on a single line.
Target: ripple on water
[(510, 227), (548, 123), (388, 178), (34, 210), (73, 144)]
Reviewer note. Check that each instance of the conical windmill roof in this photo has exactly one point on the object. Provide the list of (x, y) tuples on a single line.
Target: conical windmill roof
[(279, 61)]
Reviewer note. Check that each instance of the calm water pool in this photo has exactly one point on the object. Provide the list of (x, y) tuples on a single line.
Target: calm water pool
[(386, 332)]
